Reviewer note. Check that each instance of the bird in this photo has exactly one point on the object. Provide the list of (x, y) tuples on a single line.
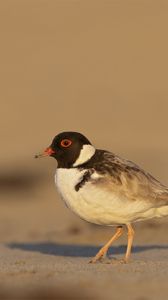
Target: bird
[(103, 188)]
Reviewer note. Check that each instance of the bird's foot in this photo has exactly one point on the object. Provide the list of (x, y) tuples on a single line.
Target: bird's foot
[(102, 260), (95, 260), (120, 261), (100, 256), (107, 260)]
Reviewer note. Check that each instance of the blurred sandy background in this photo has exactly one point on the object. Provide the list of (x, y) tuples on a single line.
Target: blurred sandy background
[(100, 68)]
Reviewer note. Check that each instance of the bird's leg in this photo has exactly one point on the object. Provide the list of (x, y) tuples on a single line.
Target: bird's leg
[(129, 244), (105, 248)]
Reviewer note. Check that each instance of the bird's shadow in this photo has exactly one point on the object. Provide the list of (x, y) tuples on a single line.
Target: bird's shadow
[(77, 250)]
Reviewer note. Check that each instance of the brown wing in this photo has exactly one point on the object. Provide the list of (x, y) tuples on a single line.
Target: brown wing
[(127, 178)]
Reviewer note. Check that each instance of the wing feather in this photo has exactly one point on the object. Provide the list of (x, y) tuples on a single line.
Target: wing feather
[(128, 179)]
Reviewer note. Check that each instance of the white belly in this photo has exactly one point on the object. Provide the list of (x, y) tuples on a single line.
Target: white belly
[(97, 205)]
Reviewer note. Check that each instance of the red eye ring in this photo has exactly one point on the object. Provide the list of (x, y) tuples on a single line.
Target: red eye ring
[(66, 143)]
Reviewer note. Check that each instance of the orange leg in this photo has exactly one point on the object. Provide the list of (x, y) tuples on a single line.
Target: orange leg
[(130, 241), (102, 252)]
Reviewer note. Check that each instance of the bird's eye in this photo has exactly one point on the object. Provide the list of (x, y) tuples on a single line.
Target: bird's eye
[(66, 143)]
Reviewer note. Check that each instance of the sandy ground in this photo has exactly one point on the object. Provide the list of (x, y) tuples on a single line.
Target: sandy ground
[(31, 268), (98, 67), (45, 251)]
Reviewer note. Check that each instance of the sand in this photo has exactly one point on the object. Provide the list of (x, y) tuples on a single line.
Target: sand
[(40, 267), (45, 251), (98, 67)]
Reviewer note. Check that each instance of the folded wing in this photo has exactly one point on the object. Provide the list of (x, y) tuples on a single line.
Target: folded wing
[(125, 177)]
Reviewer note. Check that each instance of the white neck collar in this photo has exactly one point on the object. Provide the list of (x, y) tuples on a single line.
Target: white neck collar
[(85, 154)]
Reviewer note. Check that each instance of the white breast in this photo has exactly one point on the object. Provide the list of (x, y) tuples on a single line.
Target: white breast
[(98, 205), (86, 201)]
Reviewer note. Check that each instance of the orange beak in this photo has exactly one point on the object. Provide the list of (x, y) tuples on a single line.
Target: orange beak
[(49, 151)]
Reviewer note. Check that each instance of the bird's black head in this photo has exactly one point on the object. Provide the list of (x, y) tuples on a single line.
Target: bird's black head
[(70, 149)]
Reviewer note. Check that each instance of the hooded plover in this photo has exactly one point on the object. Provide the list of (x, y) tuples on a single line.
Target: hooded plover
[(103, 188)]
